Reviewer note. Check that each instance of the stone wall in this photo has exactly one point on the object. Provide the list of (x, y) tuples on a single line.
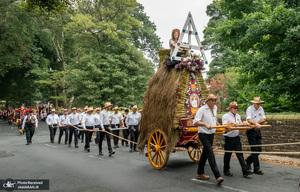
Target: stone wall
[(285, 129)]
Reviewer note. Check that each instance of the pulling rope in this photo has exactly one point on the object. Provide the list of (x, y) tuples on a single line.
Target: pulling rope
[(91, 130), (276, 144)]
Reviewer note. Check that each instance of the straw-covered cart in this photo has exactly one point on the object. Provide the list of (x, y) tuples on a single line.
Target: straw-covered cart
[(173, 97)]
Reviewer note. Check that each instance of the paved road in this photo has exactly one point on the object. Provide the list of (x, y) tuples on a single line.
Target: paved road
[(71, 169)]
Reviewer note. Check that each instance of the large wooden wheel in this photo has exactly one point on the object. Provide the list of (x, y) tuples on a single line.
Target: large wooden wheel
[(157, 144), (195, 152)]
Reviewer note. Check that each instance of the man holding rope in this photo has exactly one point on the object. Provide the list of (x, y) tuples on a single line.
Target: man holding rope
[(88, 123), (133, 121), (115, 119), (64, 126), (104, 116), (256, 116), (232, 139), (52, 121), (74, 122), (205, 118)]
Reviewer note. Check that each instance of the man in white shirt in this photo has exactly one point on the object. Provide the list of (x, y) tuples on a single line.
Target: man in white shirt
[(30, 123), (205, 118), (114, 121), (64, 126), (104, 124), (97, 124), (52, 121), (88, 123), (232, 139), (81, 134), (132, 122), (74, 122), (255, 116)]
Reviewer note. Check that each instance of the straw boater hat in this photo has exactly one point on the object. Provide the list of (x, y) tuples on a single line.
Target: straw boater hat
[(97, 109), (64, 110), (52, 110), (116, 108), (210, 97), (90, 109), (107, 104), (134, 107), (85, 108), (232, 105), (74, 108), (257, 100)]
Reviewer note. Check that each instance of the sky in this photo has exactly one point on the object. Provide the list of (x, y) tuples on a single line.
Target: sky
[(170, 14)]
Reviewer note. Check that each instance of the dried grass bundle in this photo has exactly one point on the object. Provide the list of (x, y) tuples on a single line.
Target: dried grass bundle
[(164, 104)]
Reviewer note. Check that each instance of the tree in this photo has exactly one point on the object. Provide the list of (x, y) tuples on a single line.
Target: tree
[(265, 34)]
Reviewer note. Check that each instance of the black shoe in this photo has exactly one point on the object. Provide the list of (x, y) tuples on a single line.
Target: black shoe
[(58, 142), (76, 146), (127, 145), (81, 141), (130, 150), (69, 145), (259, 172), (247, 173), (88, 149), (28, 143), (122, 144), (228, 173), (117, 146), (52, 141), (111, 153), (135, 150), (100, 153)]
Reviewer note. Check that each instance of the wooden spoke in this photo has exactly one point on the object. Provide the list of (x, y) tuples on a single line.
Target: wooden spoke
[(194, 153)]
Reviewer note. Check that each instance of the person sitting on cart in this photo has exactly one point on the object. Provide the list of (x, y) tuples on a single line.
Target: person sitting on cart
[(205, 118), (232, 139)]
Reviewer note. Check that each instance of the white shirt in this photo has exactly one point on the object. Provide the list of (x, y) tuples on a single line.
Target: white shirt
[(115, 118), (104, 115), (97, 119), (204, 114), (74, 119), (25, 119), (229, 117), (254, 114), (133, 119), (64, 120), (88, 120), (81, 116), (52, 119)]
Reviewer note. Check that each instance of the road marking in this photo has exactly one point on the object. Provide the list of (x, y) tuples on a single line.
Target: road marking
[(92, 156), (50, 146), (224, 186)]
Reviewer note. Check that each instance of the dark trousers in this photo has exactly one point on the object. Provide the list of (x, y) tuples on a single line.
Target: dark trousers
[(233, 144), (102, 135), (116, 132), (87, 137), (61, 131), (254, 138), (134, 135), (29, 132), (125, 135), (52, 130), (207, 140), (97, 134), (81, 134), (73, 131)]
